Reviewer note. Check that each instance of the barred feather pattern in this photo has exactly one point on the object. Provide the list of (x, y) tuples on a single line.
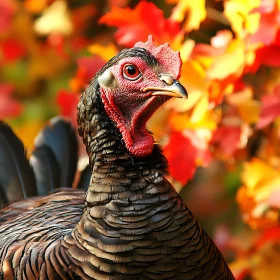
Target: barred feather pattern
[(133, 224), (30, 244)]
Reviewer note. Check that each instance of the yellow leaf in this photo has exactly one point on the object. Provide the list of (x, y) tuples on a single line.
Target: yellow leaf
[(186, 49), (55, 18), (193, 78), (180, 121), (249, 108), (230, 62), (260, 181), (193, 74), (257, 172), (200, 109), (193, 11), (157, 124), (238, 12), (106, 52)]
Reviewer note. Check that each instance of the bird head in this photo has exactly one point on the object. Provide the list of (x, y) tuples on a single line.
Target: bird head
[(134, 84)]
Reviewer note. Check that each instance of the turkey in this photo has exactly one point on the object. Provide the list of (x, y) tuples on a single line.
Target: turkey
[(131, 223)]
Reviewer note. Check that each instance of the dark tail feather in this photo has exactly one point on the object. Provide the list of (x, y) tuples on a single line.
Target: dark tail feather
[(84, 179), (46, 169), (3, 199), (16, 176), (61, 138)]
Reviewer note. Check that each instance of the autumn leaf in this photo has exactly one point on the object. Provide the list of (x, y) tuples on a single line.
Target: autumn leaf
[(270, 108), (68, 102), (35, 6), (269, 25), (181, 156), (192, 12), (248, 108), (269, 55), (241, 17), (7, 11), (232, 61), (136, 24), (55, 19), (268, 235), (9, 108), (226, 139), (105, 52), (87, 68), (260, 180), (258, 264), (12, 50)]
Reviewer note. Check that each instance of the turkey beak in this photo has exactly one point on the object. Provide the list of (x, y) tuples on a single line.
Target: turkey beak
[(173, 88)]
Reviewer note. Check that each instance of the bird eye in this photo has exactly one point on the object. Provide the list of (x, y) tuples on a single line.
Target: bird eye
[(131, 72)]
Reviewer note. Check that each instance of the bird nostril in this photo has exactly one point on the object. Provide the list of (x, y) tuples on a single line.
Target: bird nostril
[(167, 80)]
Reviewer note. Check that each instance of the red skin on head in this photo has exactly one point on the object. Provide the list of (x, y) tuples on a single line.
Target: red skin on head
[(169, 60), (130, 108)]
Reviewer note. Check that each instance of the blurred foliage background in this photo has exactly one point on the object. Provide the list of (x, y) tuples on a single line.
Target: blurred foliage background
[(222, 143)]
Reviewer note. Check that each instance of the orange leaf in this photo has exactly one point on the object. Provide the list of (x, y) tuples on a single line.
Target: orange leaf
[(136, 24), (260, 182), (35, 6), (105, 52), (249, 108)]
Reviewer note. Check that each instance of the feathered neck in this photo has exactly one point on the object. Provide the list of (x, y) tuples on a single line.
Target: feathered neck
[(124, 193), (109, 159)]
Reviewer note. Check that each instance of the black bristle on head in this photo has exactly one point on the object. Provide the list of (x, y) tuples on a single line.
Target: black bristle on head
[(61, 138), (16, 176)]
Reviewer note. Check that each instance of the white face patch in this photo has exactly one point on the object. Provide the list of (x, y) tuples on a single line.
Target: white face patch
[(107, 79)]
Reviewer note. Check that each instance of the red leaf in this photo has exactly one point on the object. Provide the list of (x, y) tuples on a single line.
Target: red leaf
[(7, 10), (8, 107), (270, 108), (181, 156), (68, 102), (269, 55), (12, 50), (269, 235), (268, 27), (87, 68), (90, 65), (136, 24), (227, 138)]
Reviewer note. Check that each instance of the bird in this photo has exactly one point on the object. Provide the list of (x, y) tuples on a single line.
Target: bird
[(130, 223)]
